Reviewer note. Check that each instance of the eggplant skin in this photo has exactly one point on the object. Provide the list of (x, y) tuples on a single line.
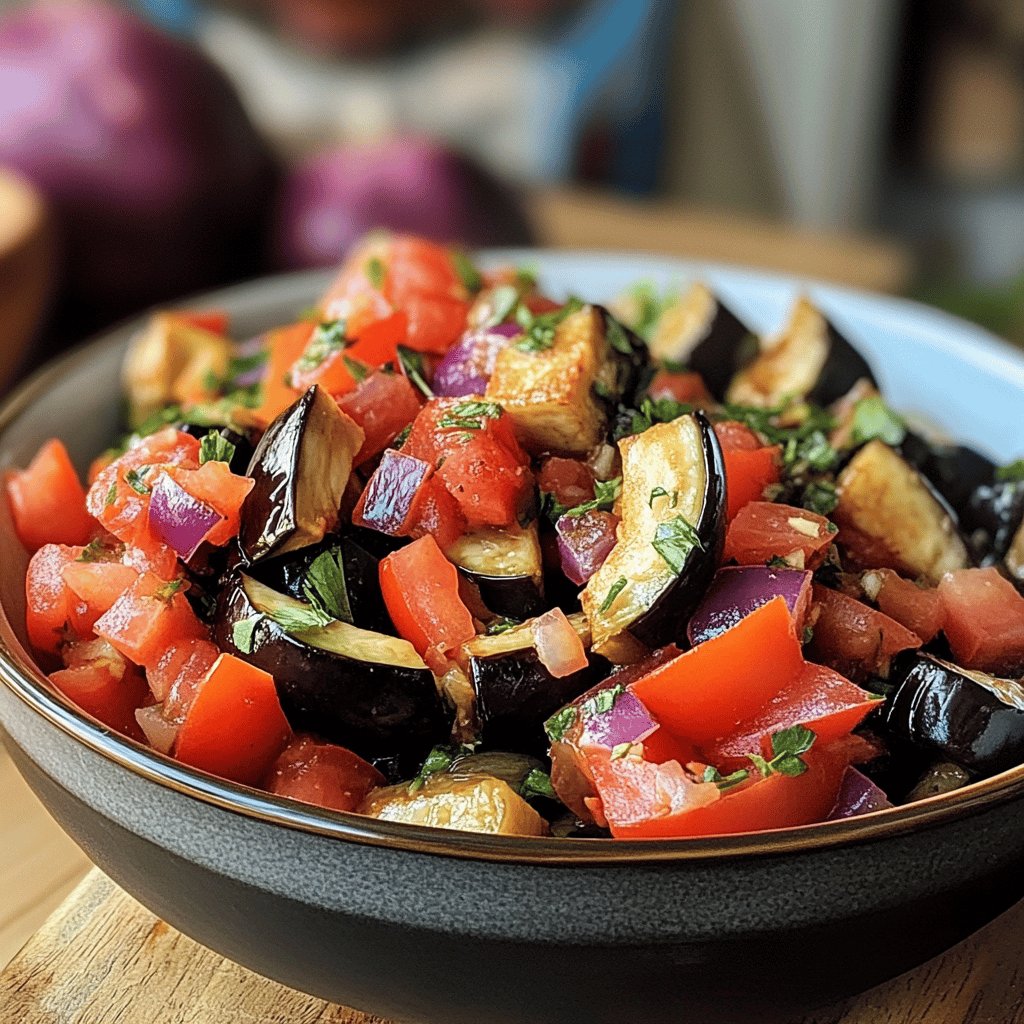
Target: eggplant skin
[(300, 469), (376, 709), (515, 695), (955, 471), (968, 717)]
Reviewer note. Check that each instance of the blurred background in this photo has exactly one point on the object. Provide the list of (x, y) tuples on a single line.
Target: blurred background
[(156, 148)]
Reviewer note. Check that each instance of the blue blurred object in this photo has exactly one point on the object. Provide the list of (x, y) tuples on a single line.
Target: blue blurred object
[(603, 77)]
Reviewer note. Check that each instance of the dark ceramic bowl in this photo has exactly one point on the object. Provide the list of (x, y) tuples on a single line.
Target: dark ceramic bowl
[(428, 925)]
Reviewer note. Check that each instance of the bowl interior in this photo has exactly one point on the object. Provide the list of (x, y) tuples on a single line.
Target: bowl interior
[(964, 380)]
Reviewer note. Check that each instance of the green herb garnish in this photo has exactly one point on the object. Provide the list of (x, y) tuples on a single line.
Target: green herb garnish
[(326, 339), (808, 635), (215, 447), (778, 562), (787, 746), (412, 366), (301, 619), (616, 336), (613, 592), (111, 495), (724, 782), (674, 540), (470, 415), (537, 784), (438, 760), (660, 492), (402, 437), (502, 625), (242, 632), (872, 419), (135, 479), (375, 272), (468, 274), (97, 550), (651, 411), (621, 750), (603, 701), (560, 723), (168, 590), (325, 587), (1011, 473), (357, 370), (539, 330), (502, 301), (605, 494), (820, 497)]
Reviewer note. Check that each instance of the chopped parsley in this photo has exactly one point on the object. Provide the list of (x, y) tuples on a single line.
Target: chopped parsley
[(651, 411), (616, 336), (168, 590), (301, 619), (501, 302), (787, 746), (135, 479), (649, 307), (359, 371), (605, 494), (242, 632), (537, 784), (97, 550), (613, 592), (215, 447), (603, 701), (438, 760), (468, 274), (560, 723), (375, 272), (872, 419), (402, 437), (820, 497), (674, 540), (469, 415), (802, 420), (808, 635), (502, 625), (777, 562), (660, 492), (1011, 473), (412, 366), (810, 452), (325, 587), (621, 750), (240, 366), (539, 330), (327, 339), (111, 495), (157, 421), (724, 782)]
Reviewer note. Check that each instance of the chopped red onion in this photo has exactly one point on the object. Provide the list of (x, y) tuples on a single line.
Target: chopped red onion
[(468, 365), (159, 733), (857, 795), (390, 492), (178, 519), (558, 645), (628, 721), (584, 542), (736, 591)]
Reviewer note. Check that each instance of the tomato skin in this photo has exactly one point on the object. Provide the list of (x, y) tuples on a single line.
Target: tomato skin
[(421, 592), (383, 405), (48, 501), (284, 346), (702, 694), (686, 387), (234, 727), (437, 514), (983, 619), (51, 607), (762, 531), (214, 320), (917, 608), (750, 467), (819, 698), (174, 678), (116, 504), (141, 625), (102, 684), (852, 637), (322, 774), (98, 584)]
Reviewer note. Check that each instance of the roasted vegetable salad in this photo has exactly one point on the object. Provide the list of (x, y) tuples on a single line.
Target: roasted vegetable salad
[(450, 551)]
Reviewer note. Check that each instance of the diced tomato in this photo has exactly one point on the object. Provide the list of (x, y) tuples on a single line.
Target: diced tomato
[(763, 530), (917, 608), (569, 481), (435, 322), (98, 584), (119, 498), (51, 607), (149, 555), (983, 620), (705, 693), (48, 500), (235, 727), (101, 683), (213, 320), (749, 466), (686, 387), (323, 774), (284, 346), (177, 674), (480, 461), (147, 618), (383, 405), (416, 266), (852, 637), (214, 484), (437, 514), (819, 698), (99, 464), (391, 496), (421, 591)]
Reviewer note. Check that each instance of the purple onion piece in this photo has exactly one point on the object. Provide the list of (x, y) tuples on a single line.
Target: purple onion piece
[(628, 721), (391, 491), (178, 519), (584, 542), (736, 591), (245, 350), (857, 795), (468, 365)]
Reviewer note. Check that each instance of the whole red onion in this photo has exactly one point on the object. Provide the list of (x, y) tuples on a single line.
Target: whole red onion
[(330, 200)]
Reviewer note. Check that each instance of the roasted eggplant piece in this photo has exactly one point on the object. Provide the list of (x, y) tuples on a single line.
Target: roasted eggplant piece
[(470, 803), (626, 360), (890, 517), (698, 331), (548, 389), (955, 471), (505, 565), (514, 692), (300, 468), (993, 520), (670, 539), (369, 692), (360, 578), (810, 359), (971, 718)]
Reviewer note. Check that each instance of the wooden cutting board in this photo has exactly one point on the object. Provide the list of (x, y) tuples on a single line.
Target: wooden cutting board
[(103, 959)]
